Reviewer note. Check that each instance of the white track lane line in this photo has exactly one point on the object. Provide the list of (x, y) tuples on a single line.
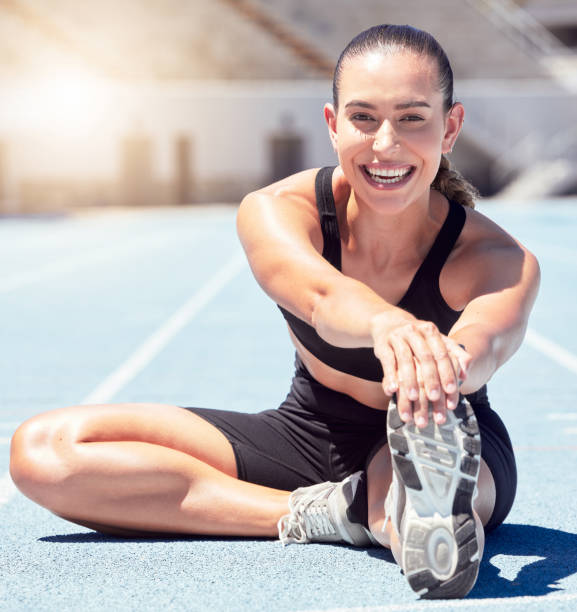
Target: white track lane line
[(148, 350), (561, 356), (567, 417), (553, 350), (501, 602)]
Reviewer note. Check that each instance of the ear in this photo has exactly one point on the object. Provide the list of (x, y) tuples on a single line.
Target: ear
[(453, 124), (331, 119)]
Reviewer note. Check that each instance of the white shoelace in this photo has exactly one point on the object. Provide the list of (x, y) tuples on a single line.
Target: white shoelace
[(309, 517)]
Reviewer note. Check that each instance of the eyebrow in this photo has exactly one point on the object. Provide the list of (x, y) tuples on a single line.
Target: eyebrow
[(401, 106), (412, 104)]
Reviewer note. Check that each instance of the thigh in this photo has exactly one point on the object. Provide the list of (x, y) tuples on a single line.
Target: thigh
[(159, 424), (272, 448), (316, 435)]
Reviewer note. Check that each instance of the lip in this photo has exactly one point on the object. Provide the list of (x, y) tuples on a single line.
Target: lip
[(387, 186)]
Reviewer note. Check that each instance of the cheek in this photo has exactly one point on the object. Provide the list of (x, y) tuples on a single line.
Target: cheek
[(349, 144), (427, 141)]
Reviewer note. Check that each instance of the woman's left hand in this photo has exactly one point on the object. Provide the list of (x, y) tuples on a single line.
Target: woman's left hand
[(422, 366)]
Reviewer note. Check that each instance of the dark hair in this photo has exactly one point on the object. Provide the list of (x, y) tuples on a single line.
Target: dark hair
[(388, 37)]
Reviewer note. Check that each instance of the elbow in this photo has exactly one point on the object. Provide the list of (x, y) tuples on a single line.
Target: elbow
[(243, 212)]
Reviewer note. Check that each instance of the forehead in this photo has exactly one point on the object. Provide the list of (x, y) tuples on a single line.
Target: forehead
[(382, 76)]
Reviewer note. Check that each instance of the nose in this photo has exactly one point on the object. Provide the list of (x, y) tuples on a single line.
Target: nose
[(385, 137)]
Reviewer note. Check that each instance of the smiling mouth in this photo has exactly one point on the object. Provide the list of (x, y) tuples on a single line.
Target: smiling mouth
[(388, 176)]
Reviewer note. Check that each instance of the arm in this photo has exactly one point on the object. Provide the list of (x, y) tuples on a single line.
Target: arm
[(497, 281), (280, 232), (493, 324)]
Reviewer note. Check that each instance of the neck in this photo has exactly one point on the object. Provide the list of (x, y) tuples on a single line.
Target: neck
[(391, 239)]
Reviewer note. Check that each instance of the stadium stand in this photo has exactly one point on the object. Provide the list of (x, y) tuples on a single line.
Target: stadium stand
[(508, 68), (253, 39)]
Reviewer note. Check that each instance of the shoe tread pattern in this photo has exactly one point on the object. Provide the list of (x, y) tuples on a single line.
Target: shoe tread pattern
[(420, 576)]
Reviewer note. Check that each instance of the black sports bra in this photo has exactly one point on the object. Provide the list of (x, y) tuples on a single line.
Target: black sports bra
[(423, 298)]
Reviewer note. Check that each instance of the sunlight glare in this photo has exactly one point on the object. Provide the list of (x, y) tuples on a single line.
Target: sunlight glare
[(65, 104)]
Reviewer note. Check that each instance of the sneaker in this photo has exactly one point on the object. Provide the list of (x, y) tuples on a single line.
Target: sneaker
[(319, 514), (435, 472)]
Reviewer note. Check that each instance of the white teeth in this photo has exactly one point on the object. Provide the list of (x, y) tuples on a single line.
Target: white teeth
[(386, 175), (389, 172)]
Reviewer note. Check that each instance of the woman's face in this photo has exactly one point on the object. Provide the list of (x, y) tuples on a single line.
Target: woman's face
[(391, 128)]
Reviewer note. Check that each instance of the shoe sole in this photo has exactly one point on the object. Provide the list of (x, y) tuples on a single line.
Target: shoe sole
[(438, 466)]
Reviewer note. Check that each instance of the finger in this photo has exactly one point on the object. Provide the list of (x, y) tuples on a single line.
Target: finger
[(407, 377), (447, 365), (386, 356), (421, 409), (440, 409), (460, 358), (463, 357), (452, 399), (428, 367), (404, 406)]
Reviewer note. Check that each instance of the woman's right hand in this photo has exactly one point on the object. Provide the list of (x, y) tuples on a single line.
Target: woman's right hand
[(420, 365)]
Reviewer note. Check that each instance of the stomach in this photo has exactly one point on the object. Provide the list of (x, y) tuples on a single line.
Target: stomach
[(366, 392)]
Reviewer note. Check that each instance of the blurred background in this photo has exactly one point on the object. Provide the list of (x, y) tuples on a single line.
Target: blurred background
[(174, 102)]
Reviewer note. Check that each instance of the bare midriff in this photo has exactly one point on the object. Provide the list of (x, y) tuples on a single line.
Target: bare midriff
[(366, 392)]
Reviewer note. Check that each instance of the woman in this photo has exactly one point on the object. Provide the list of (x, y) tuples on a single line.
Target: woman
[(385, 274)]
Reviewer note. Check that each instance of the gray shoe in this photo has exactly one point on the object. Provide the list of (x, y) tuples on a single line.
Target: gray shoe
[(435, 472), (319, 514)]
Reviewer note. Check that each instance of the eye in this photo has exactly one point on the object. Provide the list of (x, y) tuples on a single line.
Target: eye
[(361, 117), (411, 118)]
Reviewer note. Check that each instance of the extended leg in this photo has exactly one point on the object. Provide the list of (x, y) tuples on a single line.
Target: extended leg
[(435, 533)]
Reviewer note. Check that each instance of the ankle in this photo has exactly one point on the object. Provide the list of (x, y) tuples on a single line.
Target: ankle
[(381, 532)]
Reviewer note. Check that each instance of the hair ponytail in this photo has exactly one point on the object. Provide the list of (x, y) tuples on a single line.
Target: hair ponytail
[(453, 185)]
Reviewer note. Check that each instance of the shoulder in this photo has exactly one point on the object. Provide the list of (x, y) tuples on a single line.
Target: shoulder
[(481, 234), (290, 201), (293, 193), (484, 239), (302, 186), (487, 258)]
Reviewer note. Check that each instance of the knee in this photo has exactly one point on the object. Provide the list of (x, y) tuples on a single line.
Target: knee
[(40, 456), (484, 503)]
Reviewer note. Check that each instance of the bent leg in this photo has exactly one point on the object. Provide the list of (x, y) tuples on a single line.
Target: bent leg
[(142, 467)]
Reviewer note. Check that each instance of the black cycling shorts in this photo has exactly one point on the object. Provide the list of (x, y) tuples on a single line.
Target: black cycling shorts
[(318, 434)]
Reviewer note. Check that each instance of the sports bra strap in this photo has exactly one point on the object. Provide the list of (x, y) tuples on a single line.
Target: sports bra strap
[(436, 257), (328, 216), (443, 244)]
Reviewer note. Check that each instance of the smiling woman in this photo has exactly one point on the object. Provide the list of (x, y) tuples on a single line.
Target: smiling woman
[(384, 273), (417, 88)]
